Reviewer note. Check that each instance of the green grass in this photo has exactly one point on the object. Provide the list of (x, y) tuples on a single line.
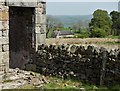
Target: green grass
[(68, 84), (113, 37), (58, 83)]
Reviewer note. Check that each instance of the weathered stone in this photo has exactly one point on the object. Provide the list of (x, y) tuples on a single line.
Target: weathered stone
[(22, 3), (5, 33), (4, 15), (41, 29), (1, 26), (5, 47), (5, 40), (39, 11), (90, 50), (40, 39), (76, 63), (73, 49), (40, 19)]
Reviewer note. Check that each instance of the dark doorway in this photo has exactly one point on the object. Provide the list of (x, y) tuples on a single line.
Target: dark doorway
[(21, 35)]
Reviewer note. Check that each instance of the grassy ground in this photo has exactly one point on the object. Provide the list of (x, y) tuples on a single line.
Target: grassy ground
[(57, 83), (68, 84), (81, 41), (113, 37)]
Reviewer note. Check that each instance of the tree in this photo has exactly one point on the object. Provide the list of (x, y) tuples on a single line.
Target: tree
[(49, 24), (76, 27), (97, 32), (115, 15), (52, 24), (101, 20)]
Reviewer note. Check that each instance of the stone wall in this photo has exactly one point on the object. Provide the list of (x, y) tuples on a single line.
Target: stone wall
[(38, 29), (4, 38), (85, 63)]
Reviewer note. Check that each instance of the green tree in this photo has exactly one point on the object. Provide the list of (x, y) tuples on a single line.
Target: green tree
[(115, 15), (101, 21), (97, 32)]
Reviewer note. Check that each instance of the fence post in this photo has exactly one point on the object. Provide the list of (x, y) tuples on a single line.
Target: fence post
[(104, 60)]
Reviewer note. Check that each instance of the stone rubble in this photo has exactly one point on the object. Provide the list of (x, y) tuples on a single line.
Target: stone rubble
[(17, 78)]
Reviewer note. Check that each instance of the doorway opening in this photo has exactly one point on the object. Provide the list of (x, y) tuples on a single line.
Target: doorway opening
[(21, 35)]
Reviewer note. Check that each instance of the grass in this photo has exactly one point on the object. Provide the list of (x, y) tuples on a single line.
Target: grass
[(113, 37), (68, 84), (58, 83)]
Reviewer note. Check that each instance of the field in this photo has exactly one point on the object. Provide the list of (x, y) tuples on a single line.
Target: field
[(98, 42)]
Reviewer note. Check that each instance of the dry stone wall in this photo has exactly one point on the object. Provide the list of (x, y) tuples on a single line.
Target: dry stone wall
[(89, 64)]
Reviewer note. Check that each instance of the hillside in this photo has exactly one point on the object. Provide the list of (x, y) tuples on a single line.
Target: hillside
[(69, 20)]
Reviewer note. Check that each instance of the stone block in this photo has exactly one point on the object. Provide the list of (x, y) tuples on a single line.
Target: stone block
[(5, 33), (40, 38), (44, 9), (37, 30), (5, 60), (5, 25), (5, 40), (5, 47), (40, 19), (22, 3), (1, 25), (39, 11), (41, 29), (4, 15), (40, 5)]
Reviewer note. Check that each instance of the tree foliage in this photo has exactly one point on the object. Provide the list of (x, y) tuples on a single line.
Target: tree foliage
[(97, 32), (101, 21), (115, 15)]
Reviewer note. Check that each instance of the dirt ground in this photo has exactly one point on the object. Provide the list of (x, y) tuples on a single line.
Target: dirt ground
[(99, 42)]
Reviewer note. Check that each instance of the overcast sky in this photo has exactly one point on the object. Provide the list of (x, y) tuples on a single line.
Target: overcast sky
[(79, 7)]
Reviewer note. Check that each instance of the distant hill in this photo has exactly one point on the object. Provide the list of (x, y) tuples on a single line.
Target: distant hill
[(69, 20)]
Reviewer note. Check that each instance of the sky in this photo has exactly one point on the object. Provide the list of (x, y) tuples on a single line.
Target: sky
[(82, 0), (79, 7)]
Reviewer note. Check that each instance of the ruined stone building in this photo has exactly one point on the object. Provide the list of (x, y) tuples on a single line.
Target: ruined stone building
[(22, 29)]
